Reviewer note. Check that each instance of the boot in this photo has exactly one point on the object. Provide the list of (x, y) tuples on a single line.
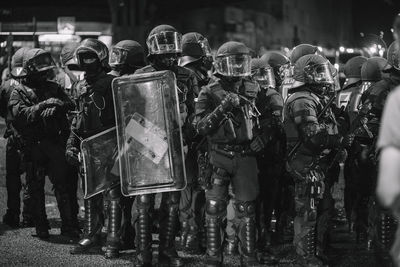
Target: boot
[(214, 255), (231, 245), (143, 234), (11, 219), (114, 225), (247, 235), (167, 255), (92, 229)]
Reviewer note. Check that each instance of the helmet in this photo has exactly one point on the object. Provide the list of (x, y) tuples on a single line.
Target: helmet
[(396, 26), (262, 73), (352, 68), (164, 39), (127, 52), (393, 56), (302, 50), (95, 46), (37, 60), (278, 62), (67, 55), (313, 70), (17, 60), (371, 70), (233, 60), (194, 47)]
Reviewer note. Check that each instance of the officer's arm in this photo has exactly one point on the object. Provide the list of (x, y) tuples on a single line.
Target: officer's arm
[(206, 121), (3, 102), (68, 103), (313, 134)]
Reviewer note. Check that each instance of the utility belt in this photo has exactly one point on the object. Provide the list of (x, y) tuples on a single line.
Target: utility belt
[(231, 151)]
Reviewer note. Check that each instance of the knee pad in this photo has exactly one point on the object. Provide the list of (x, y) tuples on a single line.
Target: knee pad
[(245, 208), (143, 201), (215, 208), (114, 193), (173, 198)]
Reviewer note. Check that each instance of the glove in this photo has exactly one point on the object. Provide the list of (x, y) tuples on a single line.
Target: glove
[(72, 156), (230, 101), (348, 140), (257, 144), (48, 112), (52, 102)]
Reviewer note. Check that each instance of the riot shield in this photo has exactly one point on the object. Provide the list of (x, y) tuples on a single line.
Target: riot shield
[(99, 155), (149, 133)]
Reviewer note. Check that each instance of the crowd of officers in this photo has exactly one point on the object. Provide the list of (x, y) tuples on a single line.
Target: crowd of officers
[(254, 155)]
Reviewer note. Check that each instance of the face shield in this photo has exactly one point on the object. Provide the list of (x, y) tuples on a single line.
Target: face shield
[(118, 56), (264, 77), (320, 74), (205, 46), (40, 63), (233, 65), (164, 43)]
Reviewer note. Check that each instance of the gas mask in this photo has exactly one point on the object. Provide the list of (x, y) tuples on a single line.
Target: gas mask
[(89, 63), (166, 61)]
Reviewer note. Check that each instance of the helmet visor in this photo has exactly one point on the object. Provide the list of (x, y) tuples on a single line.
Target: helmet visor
[(265, 77), (205, 46), (233, 65), (118, 56), (322, 74), (41, 62), (164, 43)]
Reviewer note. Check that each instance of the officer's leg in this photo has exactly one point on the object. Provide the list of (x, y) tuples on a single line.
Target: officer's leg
[(304, 222), (231, 240), (73, 178), (13, 184), (144, 204), (127, 230), (324, 212), (185, 213), (246, 189), (114, 222), (169, 221), (90, 241), (58, 174)]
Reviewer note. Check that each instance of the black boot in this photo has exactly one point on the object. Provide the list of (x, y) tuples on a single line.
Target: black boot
[(247, 236), (310, 256), (114, 225), (90, 241), (167, 255), (143, 232), (214, 255), (11, 219)]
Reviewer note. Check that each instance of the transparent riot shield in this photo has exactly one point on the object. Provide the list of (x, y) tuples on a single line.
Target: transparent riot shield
[(149, 133), (99, 155)]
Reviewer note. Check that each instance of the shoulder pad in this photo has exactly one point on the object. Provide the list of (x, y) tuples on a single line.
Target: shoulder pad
[(304, 95), (379, 87)]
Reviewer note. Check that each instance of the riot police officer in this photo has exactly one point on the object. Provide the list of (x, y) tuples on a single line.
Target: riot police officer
[(164, 45), (39, 108), (226, 114), (126, 57), (313, 129), (14, 150), (271, 160), (279, 63), (95, 114), (196, 56)]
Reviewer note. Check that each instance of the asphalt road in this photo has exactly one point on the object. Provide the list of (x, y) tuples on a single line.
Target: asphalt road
[(18, 247)]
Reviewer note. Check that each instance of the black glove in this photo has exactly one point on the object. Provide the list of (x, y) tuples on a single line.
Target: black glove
[(72, 156), (257, 144), (48, 112), (348, 140), (230, 101), (52, 102)]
